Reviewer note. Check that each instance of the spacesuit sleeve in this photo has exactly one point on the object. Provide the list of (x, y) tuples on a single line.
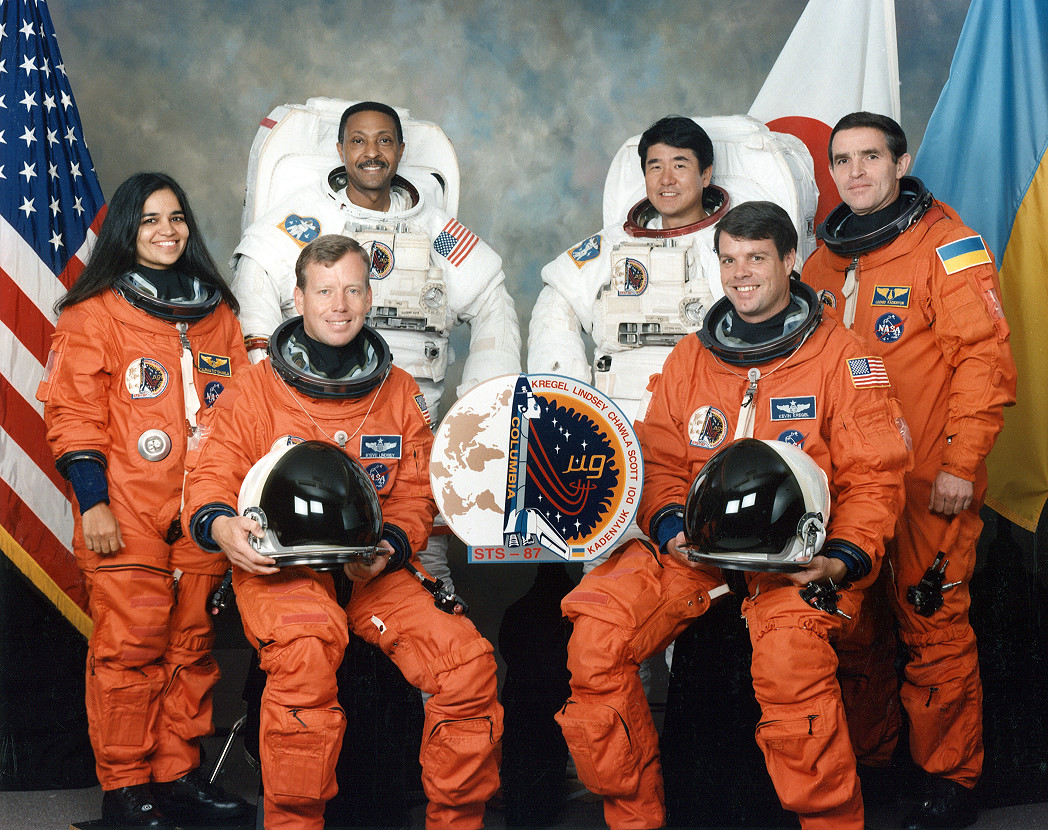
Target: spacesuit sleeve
[(870, 453), (410, 506), (494, 336), (263, 296), (555, 344), (664, 446), (970, 327), (76, 388)]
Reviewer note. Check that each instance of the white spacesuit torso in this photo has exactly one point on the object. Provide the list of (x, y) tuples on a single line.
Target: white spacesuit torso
[(635, 295), (635, 288), (429, 273)]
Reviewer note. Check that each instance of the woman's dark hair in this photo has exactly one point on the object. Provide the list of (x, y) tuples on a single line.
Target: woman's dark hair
[(114, 252)]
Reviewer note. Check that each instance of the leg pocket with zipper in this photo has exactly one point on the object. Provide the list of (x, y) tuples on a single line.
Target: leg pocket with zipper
[(600, 744)]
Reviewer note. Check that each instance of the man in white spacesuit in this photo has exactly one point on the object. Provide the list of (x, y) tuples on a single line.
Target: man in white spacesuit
[(636, 288), (429, 273)]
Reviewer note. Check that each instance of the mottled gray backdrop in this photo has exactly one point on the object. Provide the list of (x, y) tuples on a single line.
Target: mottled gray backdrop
[(536, 96)]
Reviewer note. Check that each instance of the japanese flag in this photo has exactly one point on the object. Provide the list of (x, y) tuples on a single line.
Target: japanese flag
[(841, 57)]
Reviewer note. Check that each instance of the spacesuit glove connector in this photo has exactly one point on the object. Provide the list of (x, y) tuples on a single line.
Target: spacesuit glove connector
[(854, 558), (398, 540), (666, 524), (200, 524), (87, 473)]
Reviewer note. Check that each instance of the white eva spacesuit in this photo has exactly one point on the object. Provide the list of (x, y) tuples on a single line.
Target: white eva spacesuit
[(430, 273), (637, 289)]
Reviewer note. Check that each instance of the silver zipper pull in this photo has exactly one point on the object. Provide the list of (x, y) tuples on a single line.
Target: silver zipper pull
[(754, 375)]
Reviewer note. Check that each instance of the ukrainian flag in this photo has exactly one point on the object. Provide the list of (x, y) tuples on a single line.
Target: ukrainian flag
[(964, 253), (984, 153)]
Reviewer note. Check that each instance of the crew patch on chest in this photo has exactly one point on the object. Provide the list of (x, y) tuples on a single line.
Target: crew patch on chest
[(891, 295), (380, 446), (146, 378), (382, 260), (303, 229), (707, 427), (213, 364), (795, 408), (631, 277), (286, 441), (586, 250)]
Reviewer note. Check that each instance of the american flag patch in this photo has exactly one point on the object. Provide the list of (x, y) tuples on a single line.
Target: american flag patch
[(420, 401), (455, 242), (868, 371)]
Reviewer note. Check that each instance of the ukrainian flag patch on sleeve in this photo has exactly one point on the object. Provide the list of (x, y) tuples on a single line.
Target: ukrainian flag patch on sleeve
[(964, 253)]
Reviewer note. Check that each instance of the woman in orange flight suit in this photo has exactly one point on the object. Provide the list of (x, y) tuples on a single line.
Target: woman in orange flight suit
[(146, 338)]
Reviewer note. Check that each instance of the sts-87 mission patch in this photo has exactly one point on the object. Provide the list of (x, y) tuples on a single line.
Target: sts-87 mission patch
[(536, 468)]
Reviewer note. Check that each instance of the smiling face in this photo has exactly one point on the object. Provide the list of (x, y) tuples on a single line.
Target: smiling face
[(335, 300), (755, 280), (862, 168), (674, 184), (162, 231), (371, 152)]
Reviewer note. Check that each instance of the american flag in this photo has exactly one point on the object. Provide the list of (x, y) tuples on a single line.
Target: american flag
[(868, 371), (455, 242), (50, 209)]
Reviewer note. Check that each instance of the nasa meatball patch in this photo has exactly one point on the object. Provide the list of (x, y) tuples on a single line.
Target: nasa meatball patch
[(378, 473), (792, 436), (146, 378), (888, 328), (211, 393), (707, 427), (380, 446)]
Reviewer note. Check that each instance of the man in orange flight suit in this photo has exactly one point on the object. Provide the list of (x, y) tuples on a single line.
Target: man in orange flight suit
[(765, 365), (905, 273), (329, 378)]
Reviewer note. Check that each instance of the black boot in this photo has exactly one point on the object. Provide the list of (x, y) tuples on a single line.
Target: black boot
[(132, 807), (943, 803), (192, 798)]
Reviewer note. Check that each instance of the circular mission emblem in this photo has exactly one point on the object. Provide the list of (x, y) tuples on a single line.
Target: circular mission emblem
[(145, 378), (540, 464), (707, 427)]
